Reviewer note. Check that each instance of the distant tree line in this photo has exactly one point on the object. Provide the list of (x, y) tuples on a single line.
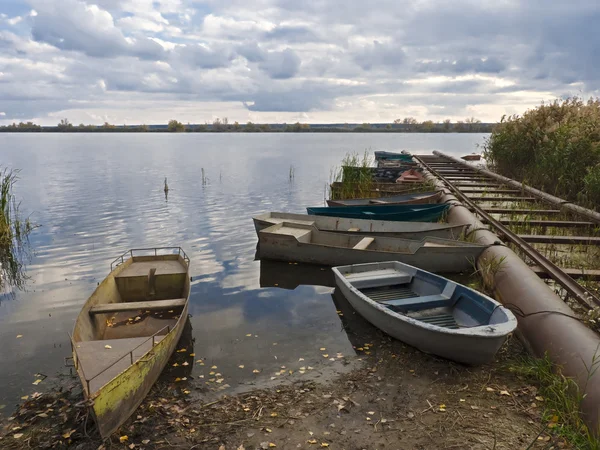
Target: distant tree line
[(406, 125)]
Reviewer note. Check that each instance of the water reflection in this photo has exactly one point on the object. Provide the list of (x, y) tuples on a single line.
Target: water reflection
[(99, 195), (291, 275)]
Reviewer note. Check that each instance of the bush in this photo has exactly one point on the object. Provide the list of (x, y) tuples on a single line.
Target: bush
[(554, 147)]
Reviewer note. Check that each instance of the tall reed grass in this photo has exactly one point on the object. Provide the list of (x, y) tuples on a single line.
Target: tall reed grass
[(14, 232), (554, 147)]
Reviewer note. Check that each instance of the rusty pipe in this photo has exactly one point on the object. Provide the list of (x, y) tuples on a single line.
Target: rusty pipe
[(549, 326)]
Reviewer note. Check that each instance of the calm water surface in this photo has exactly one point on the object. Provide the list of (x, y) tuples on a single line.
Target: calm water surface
[(97, 195)]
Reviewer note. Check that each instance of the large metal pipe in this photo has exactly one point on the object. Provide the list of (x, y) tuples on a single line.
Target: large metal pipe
[(564, 204), (549, 326)]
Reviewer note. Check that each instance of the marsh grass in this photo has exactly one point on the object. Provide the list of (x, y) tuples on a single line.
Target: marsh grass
[(554, 147), (561, 397), (353, 178), (14, 232)]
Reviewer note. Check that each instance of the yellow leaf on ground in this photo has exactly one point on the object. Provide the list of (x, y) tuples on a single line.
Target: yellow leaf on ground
[(504, 393), (312, 441), (185, 391), (177, 379), (554, 419), (25, 397), (462, 400), (131, 446), (360, 349), (107, 346), (324, 444), (146, 441), (241, 366), (36, 382), (185, 364), (272, 445), (192, 354), (325, 355), (249, 335), (181, 350), (371, 413), (213, 367), (322, 349), (274, 414), (256, 371), (489, 389), (123, 438), (19, 336), (18, 435), (539, 398), (175, 365), (300, 359)]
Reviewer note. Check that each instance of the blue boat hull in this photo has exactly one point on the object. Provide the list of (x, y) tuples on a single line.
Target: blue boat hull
[(398, 213)]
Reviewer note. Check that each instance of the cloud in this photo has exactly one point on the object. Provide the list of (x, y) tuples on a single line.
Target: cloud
[(379, 54), (281, 65), (74, 25), (332, 61)]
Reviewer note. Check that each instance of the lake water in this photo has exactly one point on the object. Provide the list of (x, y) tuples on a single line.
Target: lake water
[(97, 195)]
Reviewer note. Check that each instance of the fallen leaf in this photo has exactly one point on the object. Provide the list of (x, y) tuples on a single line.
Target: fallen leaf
[(300, 359), (185, 391), (123, 439), (43, 415), (181, 350), (325, 355), (18, 435), (323, 349), (504, 393), (220, 380), (175, 365), (539, 398), (371, 413), (312, 441), (19, 336), (268, 430), (213, 367), (256, 371), (241, 366), (368, 418), (131, 446), (489, 389), (310, 368), (462, 400), (25, 397), (185, 364), (442, 408), (146, 441), (324, 444), (192, 354), (241, 447), (107, 346), (272, 445), (36, 382), (410, 414), (249, 335)]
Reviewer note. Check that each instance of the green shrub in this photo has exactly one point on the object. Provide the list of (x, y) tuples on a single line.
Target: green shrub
[(554, 147)]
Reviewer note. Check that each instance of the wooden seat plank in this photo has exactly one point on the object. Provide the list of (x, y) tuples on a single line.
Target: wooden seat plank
[(156, 305)]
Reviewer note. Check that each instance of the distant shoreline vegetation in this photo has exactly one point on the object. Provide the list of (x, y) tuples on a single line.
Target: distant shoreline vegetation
[(407, 125)]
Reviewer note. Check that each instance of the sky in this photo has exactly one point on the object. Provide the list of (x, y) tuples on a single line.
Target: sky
[(315, 61)]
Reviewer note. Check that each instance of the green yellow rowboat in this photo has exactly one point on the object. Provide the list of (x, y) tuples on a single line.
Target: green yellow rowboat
[(128, 329)]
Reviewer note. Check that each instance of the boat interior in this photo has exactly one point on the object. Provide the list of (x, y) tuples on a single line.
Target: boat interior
[(309, 234), (131, 310), (426, 297)]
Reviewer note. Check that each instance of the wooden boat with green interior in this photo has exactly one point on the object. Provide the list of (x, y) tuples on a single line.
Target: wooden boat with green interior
[(128, 329)]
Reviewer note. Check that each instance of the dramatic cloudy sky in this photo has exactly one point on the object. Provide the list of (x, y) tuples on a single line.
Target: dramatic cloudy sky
[(147, 61)]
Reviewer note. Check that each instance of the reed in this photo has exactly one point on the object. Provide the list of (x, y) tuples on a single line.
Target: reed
[(554, 147), (204, 177), (14, 233), (353, 178)]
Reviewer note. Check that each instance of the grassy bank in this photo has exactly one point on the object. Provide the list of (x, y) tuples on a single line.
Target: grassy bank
[(554, 147)]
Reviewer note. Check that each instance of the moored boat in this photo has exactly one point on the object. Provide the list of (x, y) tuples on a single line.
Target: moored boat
[(427, 311), (383, 155), (406, 213), (406, 230), (127, 330), (404, 199), (411, 176), (297, 242)]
